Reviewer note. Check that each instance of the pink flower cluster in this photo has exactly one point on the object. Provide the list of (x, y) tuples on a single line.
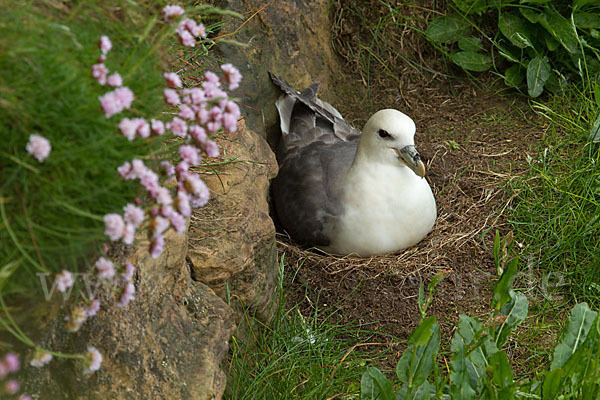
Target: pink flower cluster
[(119, 99), (10, 364), (92, 360), (39, 147), (187, 29)]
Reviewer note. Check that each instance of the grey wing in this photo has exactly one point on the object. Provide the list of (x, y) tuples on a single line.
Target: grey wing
[(308, 190)]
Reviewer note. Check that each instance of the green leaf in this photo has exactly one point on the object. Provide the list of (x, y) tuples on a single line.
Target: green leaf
[(471, 6), (535, 1), (471, 61), (500, 370), (580, 322), (538, 71), (597, 93), (462, 385), (530, 15), (594, 136), (551, 43), (374, 385), (582, 3), (552, 384), (561, 29), (469, 43), (516, 30), (516, 312), (513, 76), (446, 29), (418, 360), (586, 20), (501, 294)]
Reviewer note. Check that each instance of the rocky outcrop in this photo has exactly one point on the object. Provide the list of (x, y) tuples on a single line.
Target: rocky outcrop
[(232, 239)]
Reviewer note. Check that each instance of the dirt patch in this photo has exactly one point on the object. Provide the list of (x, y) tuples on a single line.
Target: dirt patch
[(473, 141)]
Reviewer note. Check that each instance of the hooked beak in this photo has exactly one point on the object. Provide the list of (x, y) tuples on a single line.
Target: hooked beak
[(412, 159)]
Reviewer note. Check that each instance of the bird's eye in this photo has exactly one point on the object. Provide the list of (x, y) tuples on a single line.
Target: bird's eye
[(383, 134)]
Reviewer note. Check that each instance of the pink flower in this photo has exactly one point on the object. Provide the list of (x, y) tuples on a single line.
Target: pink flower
[(192, 27), (166, 210), (168, 168), (114, 80), (101, 58), (11, 360), (202, 114), (114, 226), (104, 44), (194, 184), (186, 112), (127, 295), (93, 360), (232, 76), (186, 39), (158, 225), (171, 97), (129, 271), (158, 127), (64, 280), (76, 319), (189, 154), (138, 167), (24, 397), (163, 196), (125, 96), (12, 386), (182, 167), (157, 246), (105, 268), (128, 127), (178, 222), (93, 308), (125, 171), (116, 101), (173, 80), (182, 202), (196, 96), (40, 358), (198, 133), (143, 128), (99, 72), (230, 122), (211, 148), (38, 146), (212, 78), (178, 127), (171, 12), (3, 370), (133, 215), (129, 235)]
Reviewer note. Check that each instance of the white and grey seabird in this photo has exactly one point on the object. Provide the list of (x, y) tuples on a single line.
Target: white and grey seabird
[(347, 192)]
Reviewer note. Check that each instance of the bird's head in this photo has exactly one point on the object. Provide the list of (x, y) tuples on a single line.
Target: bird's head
[(389, 137)]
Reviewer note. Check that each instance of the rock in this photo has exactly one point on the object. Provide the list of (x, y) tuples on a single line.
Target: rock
[(291, 39), (232, 239), (166, 344)]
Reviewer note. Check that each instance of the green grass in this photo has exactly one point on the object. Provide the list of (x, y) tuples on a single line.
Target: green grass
[(299, 356), (556, 212), (51, 212)]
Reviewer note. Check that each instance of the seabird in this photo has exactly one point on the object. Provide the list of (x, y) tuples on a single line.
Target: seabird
[(346, 192)]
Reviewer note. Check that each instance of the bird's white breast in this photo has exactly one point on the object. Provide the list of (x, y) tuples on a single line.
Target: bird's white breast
[(386, 208)]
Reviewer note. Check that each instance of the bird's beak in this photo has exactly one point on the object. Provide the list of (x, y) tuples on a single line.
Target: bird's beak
[(412, 159)]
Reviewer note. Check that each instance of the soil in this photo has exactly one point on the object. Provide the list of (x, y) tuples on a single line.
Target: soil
[(474, 142)]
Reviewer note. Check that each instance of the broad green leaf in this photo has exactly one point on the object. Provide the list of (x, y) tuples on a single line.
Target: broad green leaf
[(446, 29), (501, 294), (513, 76), (500, 370), (586, 20), (551, 43), (471, 6), (418, 360), (516, 312), (367, 387), (516, 30), (595, 131), (580, 322), (471, 61), (581, 3), (469, 43), (382, 384), (552, 384), (424, 392), (538, 71), (530, 15), (597, 93), (561, 28)]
